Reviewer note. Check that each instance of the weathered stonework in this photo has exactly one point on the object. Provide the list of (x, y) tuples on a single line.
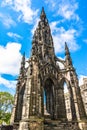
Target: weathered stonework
[(83, 89), (43, 83)]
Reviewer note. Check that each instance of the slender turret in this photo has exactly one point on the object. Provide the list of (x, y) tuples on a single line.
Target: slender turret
[(22, 68), (43, 15), (68, 57)]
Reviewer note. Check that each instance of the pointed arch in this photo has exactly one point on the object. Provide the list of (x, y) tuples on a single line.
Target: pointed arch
[(68, 97), (48, 92), (66, 81)]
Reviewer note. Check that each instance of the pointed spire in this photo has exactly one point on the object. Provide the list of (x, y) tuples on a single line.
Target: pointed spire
[(42, 38), (66, 49), (22, 68), (68, 57), (22, 72), (23, 59), (43, 15)]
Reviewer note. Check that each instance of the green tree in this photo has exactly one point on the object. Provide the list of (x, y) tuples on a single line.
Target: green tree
[(6, 103)]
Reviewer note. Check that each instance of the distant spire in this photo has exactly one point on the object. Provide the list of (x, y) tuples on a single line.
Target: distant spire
[(23, 58), (22, 71), (22, 68), (66, 49), (43, 15), (68, 57)]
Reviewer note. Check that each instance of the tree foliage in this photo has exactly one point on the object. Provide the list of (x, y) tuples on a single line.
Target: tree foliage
[(6, 103)]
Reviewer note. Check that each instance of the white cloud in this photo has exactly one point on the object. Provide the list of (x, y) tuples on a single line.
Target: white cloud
[(7, 83), (51, 3), (6, 20), (5, 2), (61, 35), (10, 58), (14, 35), (81, 79), (66, 9), (23, 7)]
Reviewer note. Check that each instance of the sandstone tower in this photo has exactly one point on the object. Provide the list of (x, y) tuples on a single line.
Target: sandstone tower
[(43, 83)]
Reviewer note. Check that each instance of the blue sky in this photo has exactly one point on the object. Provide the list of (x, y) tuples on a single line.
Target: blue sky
[(18, 20)]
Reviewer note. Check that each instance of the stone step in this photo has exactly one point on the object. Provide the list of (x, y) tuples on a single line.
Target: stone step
[(58, 125), (59, 128)]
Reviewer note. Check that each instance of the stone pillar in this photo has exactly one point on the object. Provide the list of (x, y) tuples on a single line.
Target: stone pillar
[(73, 111), (61, 105), (56, 104)]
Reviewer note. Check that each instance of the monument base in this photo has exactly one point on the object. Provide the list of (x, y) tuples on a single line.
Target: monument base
[(32, 124), (58, 125), (49, 124)]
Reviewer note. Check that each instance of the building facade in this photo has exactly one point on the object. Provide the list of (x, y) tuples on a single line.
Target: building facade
[(43, 83), (83, 89)]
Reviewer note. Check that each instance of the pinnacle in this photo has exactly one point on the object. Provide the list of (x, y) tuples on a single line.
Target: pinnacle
[(66, 48), (67, 53), (23, 59), (43, 15)]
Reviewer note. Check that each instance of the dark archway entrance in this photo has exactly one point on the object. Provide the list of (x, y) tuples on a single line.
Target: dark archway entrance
[(49, 98)]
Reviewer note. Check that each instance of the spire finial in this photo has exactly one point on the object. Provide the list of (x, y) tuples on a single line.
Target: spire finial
[(42, 8), (68, 57), (22, 63), (24, 54), (23, 59), (43, 15), (66, 49), (22, 68)]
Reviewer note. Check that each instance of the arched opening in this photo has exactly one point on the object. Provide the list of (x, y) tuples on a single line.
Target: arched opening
[(49, 98), (18, 112), (65, 88), (67, 100)]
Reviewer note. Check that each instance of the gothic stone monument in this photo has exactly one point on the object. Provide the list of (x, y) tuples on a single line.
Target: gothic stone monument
[(44, 76)]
